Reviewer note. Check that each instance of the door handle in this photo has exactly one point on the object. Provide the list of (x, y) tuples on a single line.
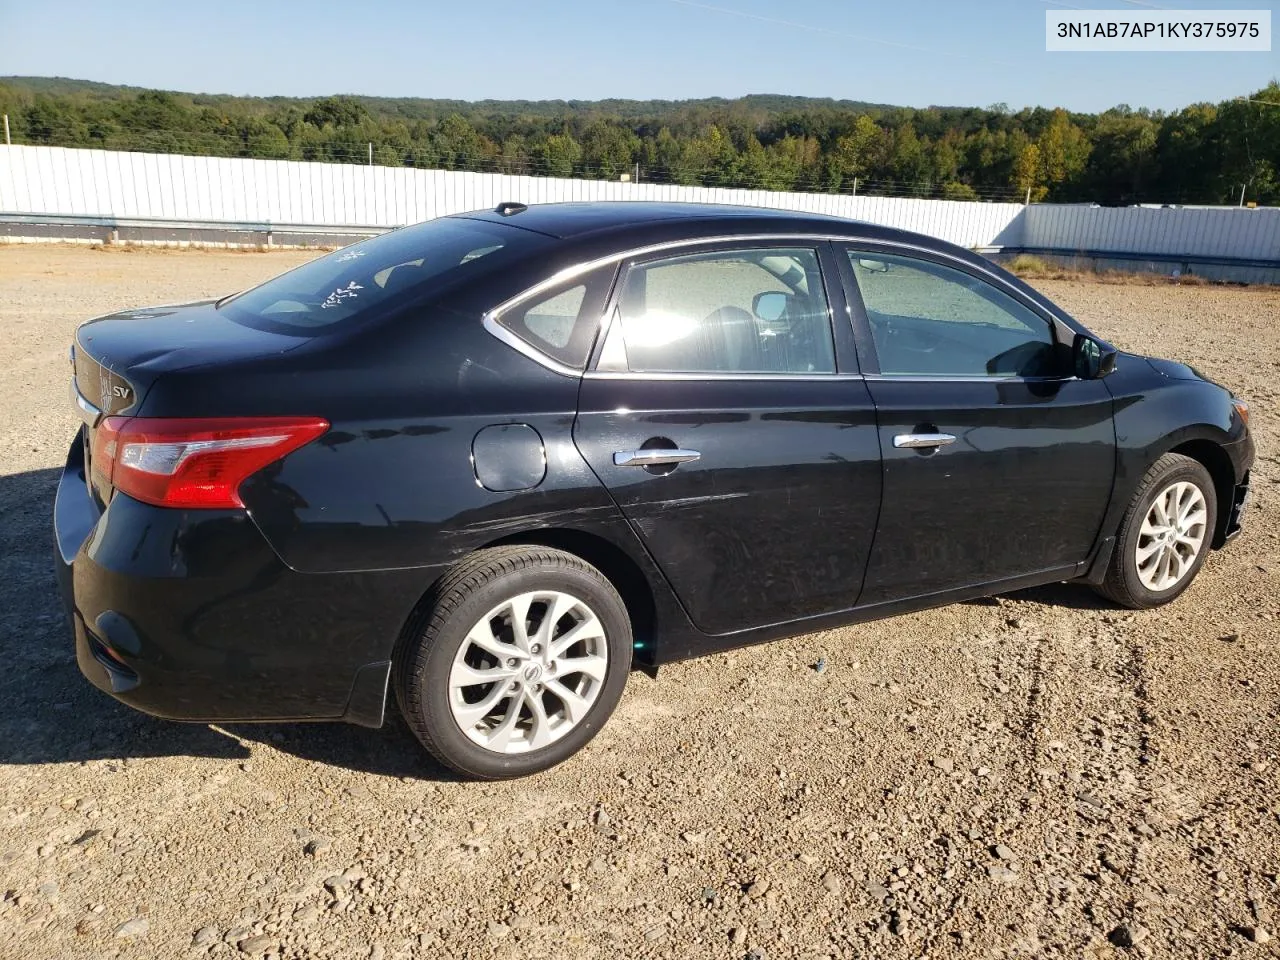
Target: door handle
[(922, 441), (654, 457)]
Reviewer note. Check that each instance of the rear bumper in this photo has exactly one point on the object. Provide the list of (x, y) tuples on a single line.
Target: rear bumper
[(190, 615)]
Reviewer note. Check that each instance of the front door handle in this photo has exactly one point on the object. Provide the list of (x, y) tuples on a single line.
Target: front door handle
[(922, 441), (654, 457)]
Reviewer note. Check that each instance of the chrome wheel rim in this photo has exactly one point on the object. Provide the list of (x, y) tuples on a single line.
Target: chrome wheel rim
[(528, 672), (1172, 536)]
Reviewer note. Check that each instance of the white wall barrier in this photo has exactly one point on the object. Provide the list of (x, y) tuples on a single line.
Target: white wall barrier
[(57, 181), (1233, 233), (101, 183)]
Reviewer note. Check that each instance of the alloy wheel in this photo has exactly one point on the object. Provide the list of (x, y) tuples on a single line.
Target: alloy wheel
[(528, 672), (1172, 536)]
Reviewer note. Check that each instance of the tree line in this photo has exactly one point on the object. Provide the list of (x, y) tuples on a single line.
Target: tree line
[(1205, 153)]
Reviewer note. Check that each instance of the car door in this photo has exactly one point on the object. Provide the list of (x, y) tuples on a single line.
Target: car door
[(998, 463), (733, 431)]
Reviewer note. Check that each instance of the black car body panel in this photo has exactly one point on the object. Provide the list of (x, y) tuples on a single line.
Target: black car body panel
[(1156, 414), (147, 575), (1035, 461), (447, 436), (776, 522)]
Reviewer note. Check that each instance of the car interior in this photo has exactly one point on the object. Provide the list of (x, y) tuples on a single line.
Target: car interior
[(932, 321), (786, 329)]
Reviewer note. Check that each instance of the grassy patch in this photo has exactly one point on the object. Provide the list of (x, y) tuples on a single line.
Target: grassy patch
[(1030, 267)]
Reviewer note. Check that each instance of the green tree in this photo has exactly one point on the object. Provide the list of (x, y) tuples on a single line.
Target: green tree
[(608, 150), (856, 153), (1027, 171), (514, 157), (1204, 153), (262, 138), (49, 121), (954, 190), (1123, 159), (336, 112), (910, 162), (1064, 151), (1186, 151), (1248, 138), (556, 156)]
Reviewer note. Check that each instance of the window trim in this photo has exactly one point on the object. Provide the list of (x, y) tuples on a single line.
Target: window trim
[(1060, 330), (854, 308), (565, 280)]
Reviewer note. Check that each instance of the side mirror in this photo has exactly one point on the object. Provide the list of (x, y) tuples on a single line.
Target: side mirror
[(770, 306), (1092, 360)]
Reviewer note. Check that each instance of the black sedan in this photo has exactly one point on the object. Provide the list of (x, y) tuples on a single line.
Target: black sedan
[(490, 460)]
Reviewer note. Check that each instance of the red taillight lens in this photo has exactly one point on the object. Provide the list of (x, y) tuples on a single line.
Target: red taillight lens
[(194, 463), (105, 442)]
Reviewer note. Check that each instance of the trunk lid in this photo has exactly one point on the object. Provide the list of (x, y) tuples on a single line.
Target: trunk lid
[(118, 357)]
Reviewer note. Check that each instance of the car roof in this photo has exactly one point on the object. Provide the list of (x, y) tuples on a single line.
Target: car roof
[(604, 229), (577, 220)]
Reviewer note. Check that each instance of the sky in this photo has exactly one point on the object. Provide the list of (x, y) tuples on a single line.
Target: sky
[(906, 52)]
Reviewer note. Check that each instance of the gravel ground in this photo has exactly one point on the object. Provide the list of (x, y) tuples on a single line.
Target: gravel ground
[(1032, 775)]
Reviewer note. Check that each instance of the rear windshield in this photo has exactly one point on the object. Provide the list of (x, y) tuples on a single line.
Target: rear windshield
[(353, 283)]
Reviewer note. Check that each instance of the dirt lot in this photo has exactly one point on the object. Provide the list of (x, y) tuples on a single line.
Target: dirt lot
[(1029, 776)]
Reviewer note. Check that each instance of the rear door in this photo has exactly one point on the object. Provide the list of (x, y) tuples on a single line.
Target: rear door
[(732, 429), (998, 463)]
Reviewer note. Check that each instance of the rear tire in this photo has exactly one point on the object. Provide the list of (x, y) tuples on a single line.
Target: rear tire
[(1165, 534), (492, 688)]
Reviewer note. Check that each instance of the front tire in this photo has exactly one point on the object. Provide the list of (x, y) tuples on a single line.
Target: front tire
[(1165, 534), (523, 657)]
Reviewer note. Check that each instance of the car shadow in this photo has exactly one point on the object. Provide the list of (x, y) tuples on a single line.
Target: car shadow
[(50, 714), (1075, 596)]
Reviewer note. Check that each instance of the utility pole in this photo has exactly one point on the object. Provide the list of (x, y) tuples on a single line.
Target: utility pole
[(371, 153), (1028, 196), (1242, 186), (636, 179), (7, 143), (855, 186)]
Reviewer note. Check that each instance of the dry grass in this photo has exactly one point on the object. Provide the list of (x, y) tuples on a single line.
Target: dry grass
[(1030, 267)]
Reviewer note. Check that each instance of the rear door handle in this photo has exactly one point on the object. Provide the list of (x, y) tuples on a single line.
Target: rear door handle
[(922, 441), (655, 457)]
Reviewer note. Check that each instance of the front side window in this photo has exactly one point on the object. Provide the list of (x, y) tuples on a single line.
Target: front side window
[(930, 320), (352, 283), (741, 311)]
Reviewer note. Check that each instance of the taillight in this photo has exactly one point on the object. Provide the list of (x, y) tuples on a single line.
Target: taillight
[(194, 463)]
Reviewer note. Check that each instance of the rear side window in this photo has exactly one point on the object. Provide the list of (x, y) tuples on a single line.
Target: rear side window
[(354, 282), (562, 322)]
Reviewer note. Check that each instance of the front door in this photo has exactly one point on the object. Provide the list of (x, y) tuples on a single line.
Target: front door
[(998, 463), (734, 434)]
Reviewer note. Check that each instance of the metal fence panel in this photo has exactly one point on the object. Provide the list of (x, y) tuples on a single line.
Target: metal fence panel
[(60, 181)]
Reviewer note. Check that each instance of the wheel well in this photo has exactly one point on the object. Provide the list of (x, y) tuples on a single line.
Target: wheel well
[(626, 577), (623, 572), (1215, 460)]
